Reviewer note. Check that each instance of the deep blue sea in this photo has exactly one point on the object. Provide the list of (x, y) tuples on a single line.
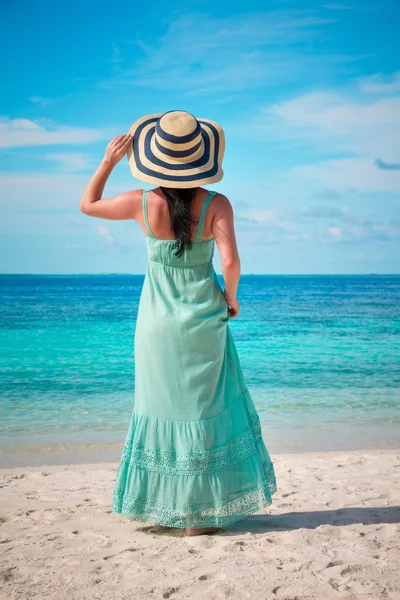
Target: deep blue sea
[(320, 355)]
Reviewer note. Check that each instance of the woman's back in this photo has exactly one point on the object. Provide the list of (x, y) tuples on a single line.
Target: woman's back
[(159, 218)]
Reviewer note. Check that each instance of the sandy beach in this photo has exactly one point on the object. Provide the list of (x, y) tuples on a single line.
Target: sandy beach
[(331, 533)]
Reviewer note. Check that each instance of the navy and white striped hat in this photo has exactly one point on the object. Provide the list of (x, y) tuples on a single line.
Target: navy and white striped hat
[(176, 150)]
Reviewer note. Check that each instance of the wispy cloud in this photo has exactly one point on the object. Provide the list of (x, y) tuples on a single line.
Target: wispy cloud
[(273, 226), (41, 101), (116, 58), (360, 124), (48, 191), (329, 194), (337, 7), (356, 121), (353, 234), (349, 173), (381, 84), (71, 161), (316, 224), (111, 240), (42, 191), (203, 54), (25, 132), (343, 225), (104, 232)]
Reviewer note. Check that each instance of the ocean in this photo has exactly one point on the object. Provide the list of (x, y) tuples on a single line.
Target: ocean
[(320, 356)]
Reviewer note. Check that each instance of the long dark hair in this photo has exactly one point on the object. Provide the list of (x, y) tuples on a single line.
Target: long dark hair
[(179, 203)]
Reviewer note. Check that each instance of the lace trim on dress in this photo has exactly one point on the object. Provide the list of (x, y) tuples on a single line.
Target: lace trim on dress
[(218, 514), (197, 462)]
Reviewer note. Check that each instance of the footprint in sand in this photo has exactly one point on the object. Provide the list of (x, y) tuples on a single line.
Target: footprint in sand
[(351, 569), (6, 574), (237, 546), (334, 563), (169, 591)]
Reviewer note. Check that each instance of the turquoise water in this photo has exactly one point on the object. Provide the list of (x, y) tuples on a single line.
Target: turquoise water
[(320, 355)]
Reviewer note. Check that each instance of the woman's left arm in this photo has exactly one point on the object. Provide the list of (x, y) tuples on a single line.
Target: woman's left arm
[(120, 207)]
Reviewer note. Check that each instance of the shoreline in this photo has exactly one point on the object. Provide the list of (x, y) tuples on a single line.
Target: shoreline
[(113, 463), (98, 464), (325, 440)]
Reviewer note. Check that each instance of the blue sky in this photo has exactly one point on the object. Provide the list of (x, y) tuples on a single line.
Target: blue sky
[(308, 94)]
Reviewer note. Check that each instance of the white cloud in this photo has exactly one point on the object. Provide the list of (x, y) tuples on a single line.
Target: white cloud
[(380, 84), (366, 126), (352, 173), (50, 191), (357, 233), (111, 240), (329, 113), (274, 226), (362, 120), (320, 224), (71, 161), (276, 218), (103, 231), (262, 215), (25, 132), (42, 191)]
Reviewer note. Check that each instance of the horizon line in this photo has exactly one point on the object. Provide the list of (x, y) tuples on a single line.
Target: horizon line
[(241, 275)]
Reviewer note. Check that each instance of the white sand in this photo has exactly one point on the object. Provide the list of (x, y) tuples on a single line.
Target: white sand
[(332, 532)]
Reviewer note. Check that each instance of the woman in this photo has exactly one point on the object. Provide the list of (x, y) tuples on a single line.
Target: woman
[(193, 457)]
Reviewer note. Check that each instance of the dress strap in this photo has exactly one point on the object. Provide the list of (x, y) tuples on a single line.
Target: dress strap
[(202, 217), (144, 208)]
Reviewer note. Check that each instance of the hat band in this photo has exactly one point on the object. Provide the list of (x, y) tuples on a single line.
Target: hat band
[(176, 153), (177, 139)]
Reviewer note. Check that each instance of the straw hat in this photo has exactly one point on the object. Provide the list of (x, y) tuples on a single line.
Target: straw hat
[(177, 150)]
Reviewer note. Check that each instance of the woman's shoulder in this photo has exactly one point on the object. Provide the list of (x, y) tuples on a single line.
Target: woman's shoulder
[(221, 202)]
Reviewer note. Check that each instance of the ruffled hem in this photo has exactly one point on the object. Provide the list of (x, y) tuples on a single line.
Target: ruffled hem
[(217, 514), (196, 462), (206, 473), (163, 445)]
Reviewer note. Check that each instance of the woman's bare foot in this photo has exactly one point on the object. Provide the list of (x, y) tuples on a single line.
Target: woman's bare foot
[(200, 531)]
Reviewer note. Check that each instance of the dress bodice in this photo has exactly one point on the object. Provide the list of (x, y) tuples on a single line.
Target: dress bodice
[(163, 251)]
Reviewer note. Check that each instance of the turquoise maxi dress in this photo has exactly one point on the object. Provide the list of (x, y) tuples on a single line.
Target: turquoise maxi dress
[(194, 455)]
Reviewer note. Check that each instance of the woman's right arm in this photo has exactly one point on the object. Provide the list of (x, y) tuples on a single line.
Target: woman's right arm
[(121, 207), (223, 230)]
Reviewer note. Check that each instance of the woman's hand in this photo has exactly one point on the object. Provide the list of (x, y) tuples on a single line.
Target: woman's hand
[(233, 306), (117, 148)]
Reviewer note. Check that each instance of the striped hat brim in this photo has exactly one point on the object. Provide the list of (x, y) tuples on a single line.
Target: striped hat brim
[(172, 164)]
